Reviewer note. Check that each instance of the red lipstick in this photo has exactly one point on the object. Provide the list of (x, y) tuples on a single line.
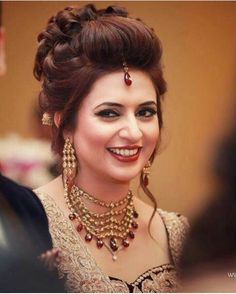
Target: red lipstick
[(123, 158)]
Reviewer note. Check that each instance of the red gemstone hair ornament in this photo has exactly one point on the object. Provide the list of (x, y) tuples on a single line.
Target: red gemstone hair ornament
[(127, 77)]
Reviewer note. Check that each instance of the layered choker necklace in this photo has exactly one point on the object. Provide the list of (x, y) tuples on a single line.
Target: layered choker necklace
[(113, 228)]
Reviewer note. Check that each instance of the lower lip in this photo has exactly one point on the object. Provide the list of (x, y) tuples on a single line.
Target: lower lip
[(126, 158)]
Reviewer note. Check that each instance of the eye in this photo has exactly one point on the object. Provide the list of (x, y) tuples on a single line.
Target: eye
[(146, 112), (107, 113)]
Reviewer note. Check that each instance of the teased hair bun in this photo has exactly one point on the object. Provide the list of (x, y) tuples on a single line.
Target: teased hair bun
[(78, 46)]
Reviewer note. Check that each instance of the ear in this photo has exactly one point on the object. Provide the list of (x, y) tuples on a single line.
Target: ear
[(57, 121), (2, 52), (57, 118)]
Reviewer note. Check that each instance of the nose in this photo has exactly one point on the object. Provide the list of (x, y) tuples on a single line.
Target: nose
[(131, 130)]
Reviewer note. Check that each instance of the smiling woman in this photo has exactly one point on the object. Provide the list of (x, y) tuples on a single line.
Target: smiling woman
[(102, 86), (123, 128)]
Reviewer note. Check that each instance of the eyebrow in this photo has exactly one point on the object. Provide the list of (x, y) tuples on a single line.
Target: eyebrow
[(147, 103)]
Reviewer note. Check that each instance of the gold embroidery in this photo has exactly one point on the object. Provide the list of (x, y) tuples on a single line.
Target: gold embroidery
[(77, 266), (177, 227), (80, 270), (162, 281)]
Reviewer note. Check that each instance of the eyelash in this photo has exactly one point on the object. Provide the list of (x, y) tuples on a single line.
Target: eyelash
[(109, 113), (151, 111)]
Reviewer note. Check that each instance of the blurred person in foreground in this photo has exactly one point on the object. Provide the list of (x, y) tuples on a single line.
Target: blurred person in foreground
[(26, 253), (208, 263)]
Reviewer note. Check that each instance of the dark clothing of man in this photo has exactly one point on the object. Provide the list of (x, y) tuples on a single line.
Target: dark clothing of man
[(24, 236)]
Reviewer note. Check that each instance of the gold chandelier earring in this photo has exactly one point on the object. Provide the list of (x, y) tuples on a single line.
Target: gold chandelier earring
[(69, 163), (146, 173)]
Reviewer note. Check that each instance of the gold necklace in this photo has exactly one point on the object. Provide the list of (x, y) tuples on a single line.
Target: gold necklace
[(116, 223)]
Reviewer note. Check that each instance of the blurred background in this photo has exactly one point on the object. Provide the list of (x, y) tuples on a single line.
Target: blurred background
[(199, 45)]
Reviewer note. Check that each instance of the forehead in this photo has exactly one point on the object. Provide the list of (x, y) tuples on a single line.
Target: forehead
[(112, 88)]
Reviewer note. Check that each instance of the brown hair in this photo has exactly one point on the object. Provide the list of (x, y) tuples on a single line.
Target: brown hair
[(78, 46), (0, 13)]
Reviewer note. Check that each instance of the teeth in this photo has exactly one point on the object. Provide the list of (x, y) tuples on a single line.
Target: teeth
[(124, 152)]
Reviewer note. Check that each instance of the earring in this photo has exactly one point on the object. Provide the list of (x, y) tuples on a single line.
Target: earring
[(68, 161), (47, 119), (146, 173)]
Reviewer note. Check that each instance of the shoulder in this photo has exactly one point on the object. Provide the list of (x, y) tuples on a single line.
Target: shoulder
[(168, 228), (50, 189), (177, 227), (174, 220), (52, 197), (171, 220), (52, 192)]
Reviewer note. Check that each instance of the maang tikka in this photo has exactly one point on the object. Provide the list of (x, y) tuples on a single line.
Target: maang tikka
[(127, 77), (146, 173)]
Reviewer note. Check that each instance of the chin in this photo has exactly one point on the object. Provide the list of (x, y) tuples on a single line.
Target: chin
[(125, 178)]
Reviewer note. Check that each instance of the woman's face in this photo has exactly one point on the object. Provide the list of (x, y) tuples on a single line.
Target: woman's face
[(117, 127)]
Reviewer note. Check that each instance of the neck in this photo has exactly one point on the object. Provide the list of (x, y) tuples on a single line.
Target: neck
[(102, 189)]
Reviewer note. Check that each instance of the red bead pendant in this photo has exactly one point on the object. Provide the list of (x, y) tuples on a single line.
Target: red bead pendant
[(131, 234), (134, 225), (88, 237), (125, 243), (127, 79), (135, 214), (80, 227), (100, 243), (113, 244)]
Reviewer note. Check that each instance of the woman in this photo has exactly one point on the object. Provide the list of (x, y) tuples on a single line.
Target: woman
[(101, 92)]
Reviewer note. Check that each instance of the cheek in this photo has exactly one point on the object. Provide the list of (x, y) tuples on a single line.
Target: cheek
[(152, 135), (92, 133)]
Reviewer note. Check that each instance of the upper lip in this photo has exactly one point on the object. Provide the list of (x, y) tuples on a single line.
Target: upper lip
[(128, 147)]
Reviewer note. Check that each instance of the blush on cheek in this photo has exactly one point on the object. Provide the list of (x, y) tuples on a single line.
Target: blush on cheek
[(155, 140)]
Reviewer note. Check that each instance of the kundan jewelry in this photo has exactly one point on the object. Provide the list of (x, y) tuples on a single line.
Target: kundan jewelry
[(68, 162), (47, 119), (113, 228)]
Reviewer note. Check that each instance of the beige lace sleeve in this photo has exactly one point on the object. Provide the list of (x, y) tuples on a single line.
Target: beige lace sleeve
[(177, 227)]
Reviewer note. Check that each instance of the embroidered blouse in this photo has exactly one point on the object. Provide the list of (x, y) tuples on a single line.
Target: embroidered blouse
[(80, 270)]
